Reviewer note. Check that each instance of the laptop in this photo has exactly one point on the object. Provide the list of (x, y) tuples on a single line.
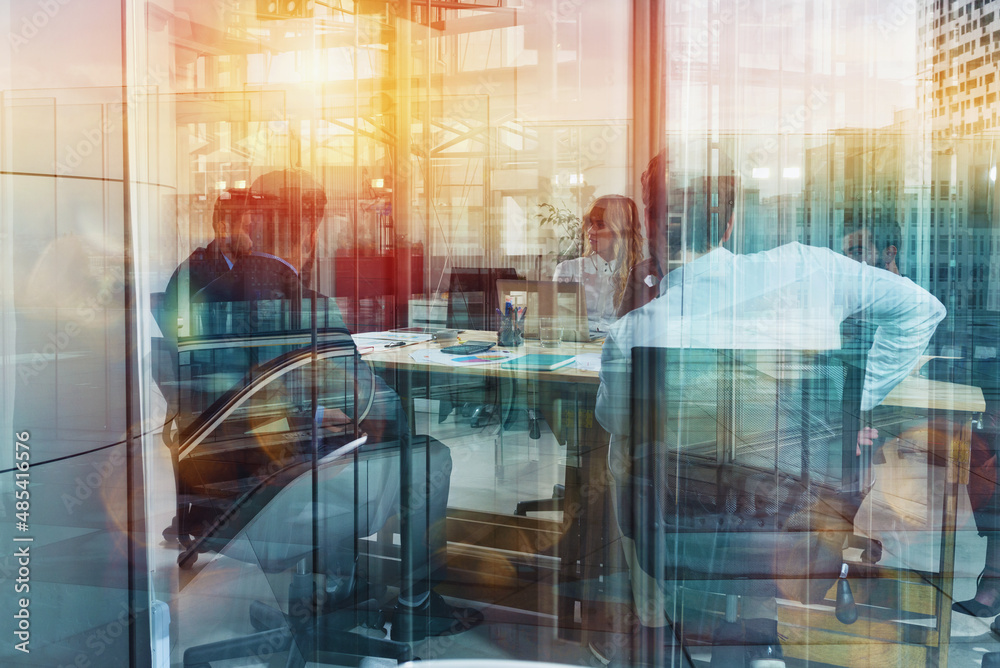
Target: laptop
[(565, 301)]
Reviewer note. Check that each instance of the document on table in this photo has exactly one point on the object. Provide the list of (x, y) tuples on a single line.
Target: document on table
[(371, 341), (438, 357), (588, 361)]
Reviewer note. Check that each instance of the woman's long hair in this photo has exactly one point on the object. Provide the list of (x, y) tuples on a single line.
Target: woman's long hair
[(621, 216)]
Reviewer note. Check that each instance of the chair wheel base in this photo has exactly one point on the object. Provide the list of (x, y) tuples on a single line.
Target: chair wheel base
[(482, 416)]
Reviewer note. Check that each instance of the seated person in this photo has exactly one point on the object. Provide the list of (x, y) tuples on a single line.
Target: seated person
[(265, 293), (713, 299), (611, 269), (202, 267), (208, 263)]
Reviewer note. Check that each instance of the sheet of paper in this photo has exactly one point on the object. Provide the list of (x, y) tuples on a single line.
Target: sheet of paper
[(588, 361), (372, 341), (438, 357), (366, 345), (409, 337)]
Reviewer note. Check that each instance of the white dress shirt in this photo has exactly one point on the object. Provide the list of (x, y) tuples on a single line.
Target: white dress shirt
[(790, 297), (596, 275)]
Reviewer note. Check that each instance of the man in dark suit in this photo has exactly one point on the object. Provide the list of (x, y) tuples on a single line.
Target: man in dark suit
[(267, 294), (171, 310)]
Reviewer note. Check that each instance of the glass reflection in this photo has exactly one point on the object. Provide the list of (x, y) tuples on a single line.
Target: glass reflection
[(241, 237)]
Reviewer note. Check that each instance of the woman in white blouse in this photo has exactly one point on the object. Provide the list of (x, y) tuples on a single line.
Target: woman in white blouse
[(611, 261)]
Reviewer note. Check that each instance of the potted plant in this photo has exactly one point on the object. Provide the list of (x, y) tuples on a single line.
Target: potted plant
[(568, 228)]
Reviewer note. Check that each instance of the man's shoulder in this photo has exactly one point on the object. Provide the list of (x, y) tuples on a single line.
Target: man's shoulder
[(798, 258), (197, 256), (201, 253), (204, 264), (797, 249)]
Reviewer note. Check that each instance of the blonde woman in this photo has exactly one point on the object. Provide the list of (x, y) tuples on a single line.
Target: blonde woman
[(611, 261)]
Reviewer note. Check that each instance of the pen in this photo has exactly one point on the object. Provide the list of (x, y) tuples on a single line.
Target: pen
[(395, 344)]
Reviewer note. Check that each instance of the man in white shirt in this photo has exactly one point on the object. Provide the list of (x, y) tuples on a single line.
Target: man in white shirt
[(791, 297), (877, 246)]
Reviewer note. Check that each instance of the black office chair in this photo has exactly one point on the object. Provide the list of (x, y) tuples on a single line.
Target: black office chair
[(473, 299), (743, 477), (248, 475), (472, 306)]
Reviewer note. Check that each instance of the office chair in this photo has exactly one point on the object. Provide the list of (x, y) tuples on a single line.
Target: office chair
[(472, 297), (472, 306), (743, 477), (248, 475)]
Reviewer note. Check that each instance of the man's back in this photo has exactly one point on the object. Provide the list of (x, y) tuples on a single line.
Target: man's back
[(793, 297)]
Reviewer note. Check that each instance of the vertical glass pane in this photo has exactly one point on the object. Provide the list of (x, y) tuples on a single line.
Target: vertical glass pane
[(589, 331)]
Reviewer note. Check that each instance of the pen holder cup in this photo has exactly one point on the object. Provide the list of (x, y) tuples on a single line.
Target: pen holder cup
[(509, 335)]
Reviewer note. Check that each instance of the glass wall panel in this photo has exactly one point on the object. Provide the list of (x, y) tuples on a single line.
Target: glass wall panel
[(588, 332)]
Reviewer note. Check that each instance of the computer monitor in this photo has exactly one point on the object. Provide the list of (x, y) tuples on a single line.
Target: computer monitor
[(472, 299)]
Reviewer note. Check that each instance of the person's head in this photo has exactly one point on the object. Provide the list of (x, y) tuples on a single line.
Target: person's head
[(229, 219), (876, 246), (678, 231), (609, 226), (286, 209), (611, 231)]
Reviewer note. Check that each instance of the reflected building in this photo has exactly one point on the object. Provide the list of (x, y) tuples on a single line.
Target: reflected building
[(958, 44)]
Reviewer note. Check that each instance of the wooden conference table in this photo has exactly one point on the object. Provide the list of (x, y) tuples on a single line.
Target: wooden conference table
[(571, 549), (579, 542)]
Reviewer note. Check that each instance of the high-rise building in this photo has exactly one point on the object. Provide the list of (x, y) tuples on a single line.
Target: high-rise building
[(960, 48)]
